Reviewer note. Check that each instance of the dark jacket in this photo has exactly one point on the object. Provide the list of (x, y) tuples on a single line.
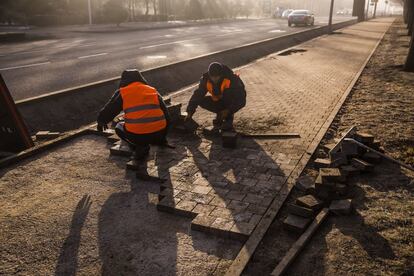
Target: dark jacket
[(114, 106), (236, 84)]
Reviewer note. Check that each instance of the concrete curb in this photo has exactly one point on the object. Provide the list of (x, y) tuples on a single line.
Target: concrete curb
[(72, 108)]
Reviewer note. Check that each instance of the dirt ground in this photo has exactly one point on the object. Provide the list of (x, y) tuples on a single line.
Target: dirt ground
[(86, 216), (379, 238)]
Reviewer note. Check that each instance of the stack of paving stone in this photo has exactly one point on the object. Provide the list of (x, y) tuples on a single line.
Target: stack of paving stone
[(331, 188)]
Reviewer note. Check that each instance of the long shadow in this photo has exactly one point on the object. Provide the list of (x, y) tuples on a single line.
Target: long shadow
[(68, 258), (134, 238)]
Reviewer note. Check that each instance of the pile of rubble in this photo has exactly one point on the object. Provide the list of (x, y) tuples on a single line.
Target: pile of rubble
[(331, 188)]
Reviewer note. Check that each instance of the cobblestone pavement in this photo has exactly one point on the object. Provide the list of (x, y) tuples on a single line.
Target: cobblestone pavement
[(228, 191)]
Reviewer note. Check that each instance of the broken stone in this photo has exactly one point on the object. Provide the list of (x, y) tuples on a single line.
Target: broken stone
[(331, 175), (296, 223), (167, 100), (300, 211), (372, 158), (322, 163), (362, 165), (134, 165), (229, 139), (342, 189), (364, 137), (210, 131), (304, 183), (310, 202), (341, 207)]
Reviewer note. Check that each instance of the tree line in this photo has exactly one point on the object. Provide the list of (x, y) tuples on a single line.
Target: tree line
[(61, 12)]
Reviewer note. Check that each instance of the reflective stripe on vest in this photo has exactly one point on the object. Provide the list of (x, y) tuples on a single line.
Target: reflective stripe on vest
[(224, 85), (142, 109)]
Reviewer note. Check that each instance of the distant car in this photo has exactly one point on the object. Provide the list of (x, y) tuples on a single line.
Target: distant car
[(286, 13), (303, 17)]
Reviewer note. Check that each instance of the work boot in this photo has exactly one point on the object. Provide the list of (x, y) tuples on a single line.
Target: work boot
[(141, 152), (228, 123)]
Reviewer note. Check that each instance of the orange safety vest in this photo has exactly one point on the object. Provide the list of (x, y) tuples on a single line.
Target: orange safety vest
[(141, 106), (224, 85)]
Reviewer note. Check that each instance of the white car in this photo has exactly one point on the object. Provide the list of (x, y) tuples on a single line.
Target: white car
[(286, 13)]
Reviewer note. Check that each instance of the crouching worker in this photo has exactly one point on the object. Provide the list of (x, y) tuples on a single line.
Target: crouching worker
[(220, 91), (146, 116)]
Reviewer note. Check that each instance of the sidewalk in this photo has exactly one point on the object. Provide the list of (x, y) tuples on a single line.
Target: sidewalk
[(227, 190)]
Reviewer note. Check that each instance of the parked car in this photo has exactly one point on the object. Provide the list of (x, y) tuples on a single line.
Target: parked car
[(303, 17), (286, 13)]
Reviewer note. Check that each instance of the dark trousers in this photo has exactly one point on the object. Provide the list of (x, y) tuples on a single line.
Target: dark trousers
[(141, 142), (233, 101)]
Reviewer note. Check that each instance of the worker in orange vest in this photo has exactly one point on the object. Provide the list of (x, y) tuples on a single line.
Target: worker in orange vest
[(220, 91), (146, 117)]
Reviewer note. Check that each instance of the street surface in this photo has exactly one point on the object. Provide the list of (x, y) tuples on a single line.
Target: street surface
[(68, 60)]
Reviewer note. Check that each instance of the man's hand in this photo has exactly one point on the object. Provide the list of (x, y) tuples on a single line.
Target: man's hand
[(101, 127)]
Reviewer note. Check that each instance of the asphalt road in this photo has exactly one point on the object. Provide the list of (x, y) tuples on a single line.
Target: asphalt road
[(38, 67)]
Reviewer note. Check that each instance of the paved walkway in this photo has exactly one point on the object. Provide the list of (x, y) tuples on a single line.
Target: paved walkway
[(229, 190)]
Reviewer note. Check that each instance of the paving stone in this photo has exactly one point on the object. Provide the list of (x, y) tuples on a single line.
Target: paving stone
[(42, 135), (202, 223), (185, 207), (329, 147), (364, 137), (349, 149), (135, 165), (331, 175), (224, 224), (341, 207), (221, 212), (303, 183), (256, 209), (113, 139), (372, 158), (238, 205), (350, 170), (322, 163), (362, 165), (242, 230), (229, 139), (236, 195), (296, 223), (175, 111), (121, 150), (167, 204), (203, 209), (310, 202), (300, 211), (220, 202), (244, 216), (202, 190)]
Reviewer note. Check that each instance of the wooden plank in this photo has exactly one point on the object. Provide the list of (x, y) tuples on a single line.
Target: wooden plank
[(270, 135), (300, 243)]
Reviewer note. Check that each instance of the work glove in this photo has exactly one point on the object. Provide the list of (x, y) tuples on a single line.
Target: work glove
[(102, 127)]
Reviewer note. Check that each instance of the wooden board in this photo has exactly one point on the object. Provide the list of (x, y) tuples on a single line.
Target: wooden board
[(300, 243), (14, 135)]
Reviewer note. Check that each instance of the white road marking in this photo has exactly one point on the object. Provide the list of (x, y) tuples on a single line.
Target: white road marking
[(95, 55), (24, 66), (168, 43), (156, 57), (277, 31)]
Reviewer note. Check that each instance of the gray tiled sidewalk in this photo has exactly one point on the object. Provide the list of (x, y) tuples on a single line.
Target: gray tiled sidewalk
[(228, 191)]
